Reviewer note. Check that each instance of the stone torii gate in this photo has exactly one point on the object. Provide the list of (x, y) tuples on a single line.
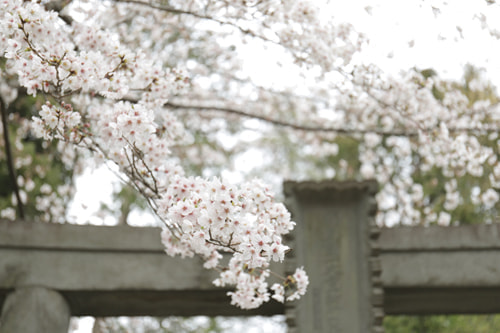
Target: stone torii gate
[(357, 272)]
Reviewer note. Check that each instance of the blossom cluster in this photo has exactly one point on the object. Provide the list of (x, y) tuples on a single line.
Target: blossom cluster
[(56, 122), (128, 126), (210, 217)]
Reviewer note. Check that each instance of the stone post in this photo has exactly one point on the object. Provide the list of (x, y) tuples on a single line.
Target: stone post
[(334, 240), (35, 310)]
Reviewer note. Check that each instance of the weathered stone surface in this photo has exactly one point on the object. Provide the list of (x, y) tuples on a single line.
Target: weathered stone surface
[(110, 271), (332, 241), (441, 269), (69, 257), (34, 310), (466, 237)]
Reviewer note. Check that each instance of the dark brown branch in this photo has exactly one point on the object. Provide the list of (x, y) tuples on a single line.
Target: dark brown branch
[(168, 9), (10, 158), (339, 130), (263, 118)]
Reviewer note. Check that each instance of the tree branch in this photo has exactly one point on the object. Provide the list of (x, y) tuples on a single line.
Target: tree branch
[(339, 130), (10, 158), (197, 15)]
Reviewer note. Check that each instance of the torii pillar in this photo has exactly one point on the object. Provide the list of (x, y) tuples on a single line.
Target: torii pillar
[(335, 241), (33, 310)]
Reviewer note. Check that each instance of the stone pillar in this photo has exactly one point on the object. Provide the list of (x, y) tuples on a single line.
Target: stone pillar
[(35, 310), (334, 241)]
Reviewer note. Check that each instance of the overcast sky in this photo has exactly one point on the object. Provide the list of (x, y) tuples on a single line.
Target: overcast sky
[(444, 35)]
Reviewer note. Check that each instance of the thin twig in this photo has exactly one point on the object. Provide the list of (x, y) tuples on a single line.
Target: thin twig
[(178, 11), (10, 158)]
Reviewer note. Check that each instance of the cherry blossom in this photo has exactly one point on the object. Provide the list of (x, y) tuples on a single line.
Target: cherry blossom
[(159, 90), (129, 127)]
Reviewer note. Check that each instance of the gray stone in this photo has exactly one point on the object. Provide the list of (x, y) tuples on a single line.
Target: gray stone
[(332, 241), (111, 271), (35, 310), (441, 270)]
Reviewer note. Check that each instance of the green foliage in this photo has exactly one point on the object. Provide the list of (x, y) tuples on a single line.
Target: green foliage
[(442, 324), (197, 324), (128, 199), (487, 93), (36, 162), (348, 151)]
